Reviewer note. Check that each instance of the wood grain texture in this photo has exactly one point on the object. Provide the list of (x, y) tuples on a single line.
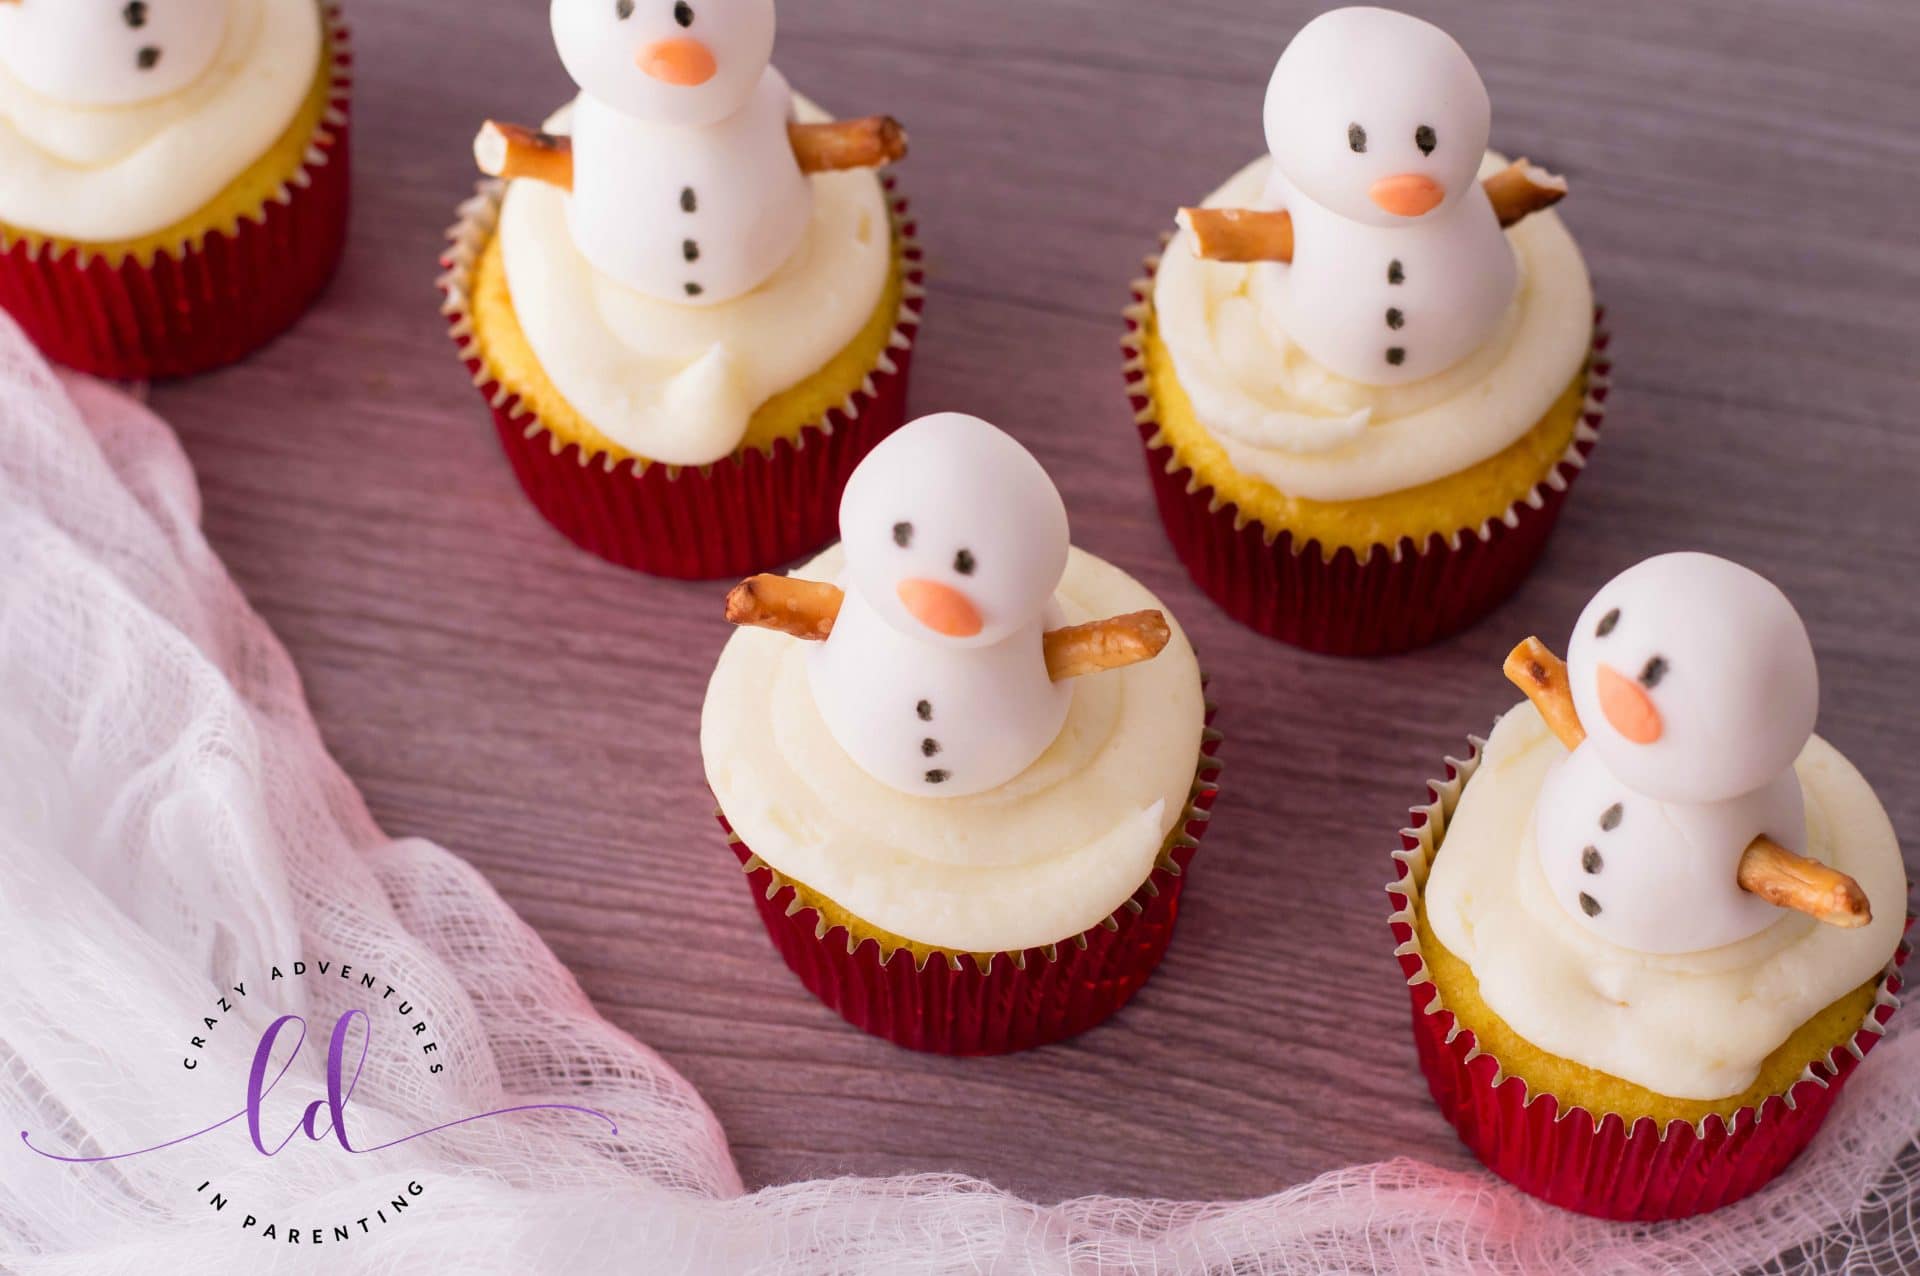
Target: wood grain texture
[(1744, 187)]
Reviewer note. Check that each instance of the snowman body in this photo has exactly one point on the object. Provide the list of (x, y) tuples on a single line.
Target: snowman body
[(1652, 875), (691, 213), (1385, 305), (935, 720), (108, 53)]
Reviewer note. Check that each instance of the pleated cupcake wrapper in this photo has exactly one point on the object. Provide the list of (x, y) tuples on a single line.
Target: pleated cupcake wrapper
[(202, 304), (1391, 597), (986, 1003), (1599, 1165), (742, 514)]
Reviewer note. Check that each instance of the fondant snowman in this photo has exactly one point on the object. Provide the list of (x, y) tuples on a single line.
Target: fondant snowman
[(934, 678), (685, 184), (109, 52), (1695, 680), (1378, 123)]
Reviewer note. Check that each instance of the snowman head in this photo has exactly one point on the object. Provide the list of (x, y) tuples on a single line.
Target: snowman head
[(682, 62), (1694, 678), (1378, 116), (109, 52), (953, 532)]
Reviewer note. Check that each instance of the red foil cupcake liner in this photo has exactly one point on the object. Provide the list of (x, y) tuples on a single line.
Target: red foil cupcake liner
[(972, 1004), (746, 513), (1601, 1167), (1395, 598), (200, 306)]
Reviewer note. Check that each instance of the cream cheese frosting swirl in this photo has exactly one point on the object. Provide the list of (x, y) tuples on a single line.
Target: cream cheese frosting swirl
[(1035, 861), (675, 383), (104, 174), (1689, 1025), (1311, 433)]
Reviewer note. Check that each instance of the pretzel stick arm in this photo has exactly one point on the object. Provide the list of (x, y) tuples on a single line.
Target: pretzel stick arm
[(807, 609), (803, 608), (1534, 669), (509, 150), (1113, 643), (1240, 234), (1246, 234), (1521, 189), (872, 142), (1783, 878)]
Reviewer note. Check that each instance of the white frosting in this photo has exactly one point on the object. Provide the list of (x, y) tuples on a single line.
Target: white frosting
[(1691, 1026), (1033, 862), (111, 173), (934, 678), (1695, 680), (109, 52), (677, 383), (1377, 123), (1286, 418)]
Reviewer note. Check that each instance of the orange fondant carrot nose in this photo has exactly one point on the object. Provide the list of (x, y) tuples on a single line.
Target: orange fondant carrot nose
[(941, 608), (1407, 194), (1628, 707), (684, 61)]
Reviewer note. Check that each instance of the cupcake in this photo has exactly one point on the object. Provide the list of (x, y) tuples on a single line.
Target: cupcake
[(173, 176), (963, 764), (1653, 924), (1361, 445), (688, 298)]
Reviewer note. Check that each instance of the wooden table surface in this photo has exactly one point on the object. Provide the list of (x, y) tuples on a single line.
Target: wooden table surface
[(1744, 188)]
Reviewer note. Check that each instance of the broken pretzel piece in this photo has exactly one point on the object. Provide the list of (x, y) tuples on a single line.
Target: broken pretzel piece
[(872, 142), (1246, 235), (807, 609), (1767, 869), (510, 151)]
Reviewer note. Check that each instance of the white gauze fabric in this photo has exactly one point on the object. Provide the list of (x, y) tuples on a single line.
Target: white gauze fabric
[(170, 823)]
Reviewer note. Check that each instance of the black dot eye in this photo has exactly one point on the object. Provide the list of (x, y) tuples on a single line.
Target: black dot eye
[(1424, 139), (1356, 139), (623, 9), (903, 534), (1655, 670), (135, 14), (683, 13), (963, 562), (1607, 622)]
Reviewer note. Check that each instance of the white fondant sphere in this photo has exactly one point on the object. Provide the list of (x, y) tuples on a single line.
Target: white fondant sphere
[(110, 52), (1362, 95), (1654, 876), (607, 46), (1707, 658), (952, 501)]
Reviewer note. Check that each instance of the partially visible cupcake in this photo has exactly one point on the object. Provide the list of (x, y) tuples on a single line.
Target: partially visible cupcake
[(964, 764), (692, 307), (173, 176), (1654, 923), (1367, 371)]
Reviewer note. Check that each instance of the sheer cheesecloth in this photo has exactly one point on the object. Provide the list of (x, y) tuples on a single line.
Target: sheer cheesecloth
[(170, 824)]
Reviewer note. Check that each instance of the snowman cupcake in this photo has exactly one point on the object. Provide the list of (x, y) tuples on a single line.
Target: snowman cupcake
[(689, 300), (1365, 373), (963, 764), (1653, 924), (173, 175)]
